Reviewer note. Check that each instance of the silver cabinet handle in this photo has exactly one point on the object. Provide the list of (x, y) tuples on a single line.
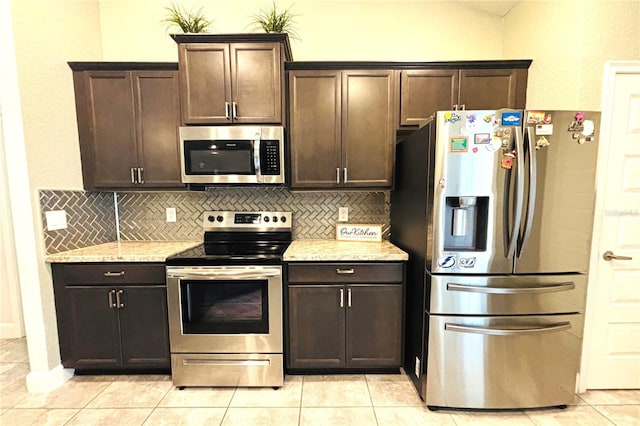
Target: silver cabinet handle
[(337, 174), (520, 290), (133, 175), (508, 331), (140, 179), (609, 256), (113, 274), (342, 298), (227, 110), (111, 304), (348, 297), (463, 107), (455, 107), (345, 175), (119, 299), (345, 271), (234, 108)]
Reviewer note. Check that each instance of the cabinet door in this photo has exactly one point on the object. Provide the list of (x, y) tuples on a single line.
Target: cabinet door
[(256, 82), (423, 92), (92, 331), (493, 88), (205, 84), (111, 154), (144, 327), (374, 325), (369, 117), (316, 326), (314, 122), (158, 115)]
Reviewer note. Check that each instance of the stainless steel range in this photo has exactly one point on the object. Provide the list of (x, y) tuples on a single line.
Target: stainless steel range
[(225, 302)]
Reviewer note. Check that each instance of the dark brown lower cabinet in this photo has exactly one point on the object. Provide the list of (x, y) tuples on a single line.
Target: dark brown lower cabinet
[(112, 317), (335, 325)]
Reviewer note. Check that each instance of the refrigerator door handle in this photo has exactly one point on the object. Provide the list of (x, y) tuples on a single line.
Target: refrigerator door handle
[(531, 203), (503, 290), (511, 235), (561, 326)]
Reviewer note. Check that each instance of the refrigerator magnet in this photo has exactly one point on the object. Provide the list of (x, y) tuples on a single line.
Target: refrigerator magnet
[(544, 129), (482, 138), (507, 160), (542, 142), (458, 144)]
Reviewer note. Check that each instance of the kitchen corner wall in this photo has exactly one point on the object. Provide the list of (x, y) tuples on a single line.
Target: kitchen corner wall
[(141, 215)]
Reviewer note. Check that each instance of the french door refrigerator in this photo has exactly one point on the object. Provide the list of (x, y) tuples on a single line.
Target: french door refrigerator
[(495, 209)]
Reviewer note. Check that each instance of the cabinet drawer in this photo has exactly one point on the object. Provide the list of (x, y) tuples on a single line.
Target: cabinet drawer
[(112, 273), (345, 272)]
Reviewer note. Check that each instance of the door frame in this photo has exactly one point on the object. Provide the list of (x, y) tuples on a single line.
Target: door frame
[(611, 71)]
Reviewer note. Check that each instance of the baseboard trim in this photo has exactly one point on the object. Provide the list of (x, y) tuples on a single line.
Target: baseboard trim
[(46, 381)]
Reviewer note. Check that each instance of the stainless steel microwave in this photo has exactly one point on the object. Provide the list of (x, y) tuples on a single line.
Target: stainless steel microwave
[(232, 154)]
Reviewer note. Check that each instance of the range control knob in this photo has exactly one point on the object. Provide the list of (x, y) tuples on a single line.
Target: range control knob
[(211, 218), (219, 218), (283, 219), (275, 218), (266, 219)]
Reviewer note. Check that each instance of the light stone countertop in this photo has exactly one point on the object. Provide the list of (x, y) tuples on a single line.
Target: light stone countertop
[(123, 251), (343, 251)]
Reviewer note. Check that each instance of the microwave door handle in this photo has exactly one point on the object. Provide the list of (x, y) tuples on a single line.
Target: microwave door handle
[(256, 157), (531, 203)]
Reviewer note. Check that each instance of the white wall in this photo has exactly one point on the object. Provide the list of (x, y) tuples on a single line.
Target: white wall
[(569, 41)]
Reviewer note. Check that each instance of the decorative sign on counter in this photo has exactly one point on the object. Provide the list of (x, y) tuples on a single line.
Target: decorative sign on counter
[(358, 232)]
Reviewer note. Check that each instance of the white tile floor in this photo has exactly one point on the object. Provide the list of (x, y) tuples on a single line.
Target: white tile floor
[(358, 400)]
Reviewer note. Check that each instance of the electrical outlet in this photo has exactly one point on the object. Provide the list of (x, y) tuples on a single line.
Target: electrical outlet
[(343, 214), (56, 219), (171, 214)]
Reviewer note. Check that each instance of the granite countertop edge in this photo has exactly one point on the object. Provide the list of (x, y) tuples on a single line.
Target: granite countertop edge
[(123, 251), (343, 251)]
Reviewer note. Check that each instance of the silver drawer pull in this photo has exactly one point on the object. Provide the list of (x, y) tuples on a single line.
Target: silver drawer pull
[(502, 290), (345, 271), (508, 331), (113, 274), (342, 298)]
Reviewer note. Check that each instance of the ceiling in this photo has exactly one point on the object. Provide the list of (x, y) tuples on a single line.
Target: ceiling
[(499, 8)]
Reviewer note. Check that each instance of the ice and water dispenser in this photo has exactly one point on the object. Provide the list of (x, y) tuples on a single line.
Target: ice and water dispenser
[(466, 223)]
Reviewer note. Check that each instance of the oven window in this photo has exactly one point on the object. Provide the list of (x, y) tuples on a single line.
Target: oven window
[(224, 307), (219, 158)]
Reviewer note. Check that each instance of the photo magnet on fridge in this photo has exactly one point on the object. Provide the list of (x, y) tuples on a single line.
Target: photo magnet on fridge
[(458, 144)]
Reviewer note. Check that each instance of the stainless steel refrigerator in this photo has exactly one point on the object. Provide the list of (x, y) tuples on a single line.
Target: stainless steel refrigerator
[(495, 209)]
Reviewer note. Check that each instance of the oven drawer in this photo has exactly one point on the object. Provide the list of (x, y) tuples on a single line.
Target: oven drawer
[(503, 362), (113, 273), (507, 295), (227, 369), (345, 272)]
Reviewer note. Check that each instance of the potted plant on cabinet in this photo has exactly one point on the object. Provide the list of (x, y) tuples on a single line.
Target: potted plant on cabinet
[(272, 20), (189, 21)]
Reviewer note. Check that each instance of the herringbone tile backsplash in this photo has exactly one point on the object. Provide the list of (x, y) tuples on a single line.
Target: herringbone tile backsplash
[(142, 215), (90, 219)]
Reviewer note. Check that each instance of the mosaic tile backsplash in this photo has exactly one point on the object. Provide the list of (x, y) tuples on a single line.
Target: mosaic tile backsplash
[(142, 215)]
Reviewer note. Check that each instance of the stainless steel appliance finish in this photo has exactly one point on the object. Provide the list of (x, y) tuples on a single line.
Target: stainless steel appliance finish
[(232, 155), (495, 210), (225, 302)]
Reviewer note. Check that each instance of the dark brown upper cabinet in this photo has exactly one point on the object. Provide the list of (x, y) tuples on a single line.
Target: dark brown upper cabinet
[(232, 79), (128, 118), (425, 91), (342, 128)]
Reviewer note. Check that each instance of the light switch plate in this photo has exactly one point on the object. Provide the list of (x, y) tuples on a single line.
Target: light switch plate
[(343, 214), (56, 219), (171, 214)]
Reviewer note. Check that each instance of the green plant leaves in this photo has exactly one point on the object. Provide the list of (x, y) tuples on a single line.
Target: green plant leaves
[(187, 20), (273, 20)]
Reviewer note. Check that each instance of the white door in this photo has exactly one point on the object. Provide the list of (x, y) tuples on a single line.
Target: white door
[(612, 335)]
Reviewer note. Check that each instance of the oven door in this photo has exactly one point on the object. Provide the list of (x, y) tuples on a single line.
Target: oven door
[(225, 309)]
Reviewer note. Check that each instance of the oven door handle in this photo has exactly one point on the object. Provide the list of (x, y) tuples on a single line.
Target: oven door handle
[(212, 274)]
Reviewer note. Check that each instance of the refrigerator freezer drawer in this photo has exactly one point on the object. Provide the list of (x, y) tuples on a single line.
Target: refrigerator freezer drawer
[(503, 362), (507, 295)]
